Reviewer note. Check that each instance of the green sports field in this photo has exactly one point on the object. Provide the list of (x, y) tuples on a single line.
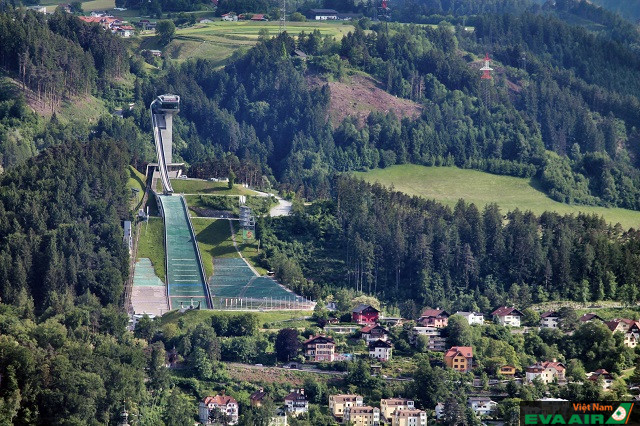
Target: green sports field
[(220, 39), (449, 184)]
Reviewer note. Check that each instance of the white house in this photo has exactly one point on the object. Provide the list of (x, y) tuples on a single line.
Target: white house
[(323, 14), (482, 406), (436, 342), (224, 403), (507, 316), (380, 349), (472, 317), (547, 372), (409, 418), (549, 319), (296, 402), (607, 378), (390, 406)]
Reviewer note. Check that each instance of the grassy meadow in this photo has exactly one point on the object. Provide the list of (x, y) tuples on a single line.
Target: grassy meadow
[(449, 184), (214, 240), (219, 40), (192, 186)]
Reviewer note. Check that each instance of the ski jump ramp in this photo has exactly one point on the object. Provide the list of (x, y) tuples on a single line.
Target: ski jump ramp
[(186, 283)]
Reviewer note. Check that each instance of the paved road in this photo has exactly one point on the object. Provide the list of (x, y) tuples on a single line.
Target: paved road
[(283, 208)]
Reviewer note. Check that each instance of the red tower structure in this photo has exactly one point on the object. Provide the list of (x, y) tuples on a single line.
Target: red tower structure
[(486, 77), (486, 70)]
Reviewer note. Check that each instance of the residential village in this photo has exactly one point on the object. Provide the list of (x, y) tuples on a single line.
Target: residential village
[(429, 333)]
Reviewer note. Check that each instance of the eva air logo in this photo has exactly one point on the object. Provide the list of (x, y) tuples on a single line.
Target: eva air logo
[(621, 414)]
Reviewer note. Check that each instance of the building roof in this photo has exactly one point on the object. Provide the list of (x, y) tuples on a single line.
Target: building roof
[(323, 11), (319, 339), (613, 324), (479, 399), (380, 344), (538, 367), (468, 314), (465, 351), (600, 372), (219, 400), (547, 314), (395, 401), (345, 397), (434, 313), (362, 307), (365, 409), (258, 395), (589, 317), (367, 329), (296, 395), (505, 310), (257, 17)]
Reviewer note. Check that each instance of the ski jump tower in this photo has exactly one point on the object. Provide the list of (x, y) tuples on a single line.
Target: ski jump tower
[(163, 108)]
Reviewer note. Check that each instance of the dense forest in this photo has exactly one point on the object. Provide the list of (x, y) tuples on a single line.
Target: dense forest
[(47, 61), (420, 253), (84, 54)]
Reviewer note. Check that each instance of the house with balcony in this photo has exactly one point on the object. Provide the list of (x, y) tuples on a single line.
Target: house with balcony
[(296, 402), (549, 319), (507, 316), (339, 403), (362, 416), (472, 317), (460, 358), (547, 372), (436, 341), (409, 418), (482, 406), (371, 333), (223, 404), (365, 314), (319, 349), (601, 373), (390, 405), (381, 350), (437, 318)]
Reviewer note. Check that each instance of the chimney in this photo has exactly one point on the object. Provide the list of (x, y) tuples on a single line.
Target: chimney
[(554, 360), (301, 391)]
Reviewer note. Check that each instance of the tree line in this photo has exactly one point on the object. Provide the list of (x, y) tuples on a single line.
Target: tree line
[(421, 253)]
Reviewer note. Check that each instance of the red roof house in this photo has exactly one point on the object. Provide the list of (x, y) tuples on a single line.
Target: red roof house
[(365, 314)]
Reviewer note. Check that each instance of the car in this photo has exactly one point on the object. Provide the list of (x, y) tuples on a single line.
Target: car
[(259, 365)]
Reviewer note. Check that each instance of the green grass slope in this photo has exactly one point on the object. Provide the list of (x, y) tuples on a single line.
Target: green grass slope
[(219, 40), (449, 184), (151, 244), (214, 240)]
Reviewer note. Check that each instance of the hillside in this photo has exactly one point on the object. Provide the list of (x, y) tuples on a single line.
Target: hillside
[(358, 95), (449, 184)]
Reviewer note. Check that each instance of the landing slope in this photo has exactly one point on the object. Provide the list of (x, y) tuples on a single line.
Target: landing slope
[(449, 184)]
